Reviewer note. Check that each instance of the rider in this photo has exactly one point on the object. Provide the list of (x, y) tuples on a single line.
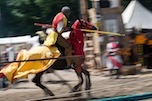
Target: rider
[(59, 25)]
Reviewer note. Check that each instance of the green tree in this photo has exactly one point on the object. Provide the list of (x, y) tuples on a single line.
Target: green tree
[(5, 17), (22, 14), (18, 16)]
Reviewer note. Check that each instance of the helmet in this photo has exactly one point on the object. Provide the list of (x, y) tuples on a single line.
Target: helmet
[(66, 11)]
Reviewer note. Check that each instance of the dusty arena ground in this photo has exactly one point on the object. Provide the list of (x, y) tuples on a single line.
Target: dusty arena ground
[(60, 83)]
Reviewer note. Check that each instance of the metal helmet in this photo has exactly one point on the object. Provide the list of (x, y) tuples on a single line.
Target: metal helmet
[(66, 11)]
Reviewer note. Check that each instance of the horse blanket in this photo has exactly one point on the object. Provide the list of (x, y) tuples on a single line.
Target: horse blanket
[(16, 70), (76, 39)]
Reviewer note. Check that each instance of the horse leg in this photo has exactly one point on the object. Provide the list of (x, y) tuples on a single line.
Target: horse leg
[(37, 81), (78, 71), (77, 87), (88, 80)]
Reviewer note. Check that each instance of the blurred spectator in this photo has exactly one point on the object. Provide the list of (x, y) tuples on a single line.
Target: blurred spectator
[(7, 55), (113, 60)]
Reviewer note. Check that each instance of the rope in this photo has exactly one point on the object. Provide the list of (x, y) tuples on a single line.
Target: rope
[(63, 57), (86, 91)]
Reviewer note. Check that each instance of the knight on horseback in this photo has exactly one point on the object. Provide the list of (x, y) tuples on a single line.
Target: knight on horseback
[(59, 25)]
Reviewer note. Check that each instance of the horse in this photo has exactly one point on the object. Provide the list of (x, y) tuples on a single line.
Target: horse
[(75, 35)]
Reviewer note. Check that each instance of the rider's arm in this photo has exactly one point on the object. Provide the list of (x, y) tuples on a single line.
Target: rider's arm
[(60, 27), (61, 41)]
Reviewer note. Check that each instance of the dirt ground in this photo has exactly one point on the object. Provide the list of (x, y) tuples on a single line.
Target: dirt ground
[(61, 82)]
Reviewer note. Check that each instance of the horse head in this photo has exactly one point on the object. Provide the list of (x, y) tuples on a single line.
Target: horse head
[(83, 24)]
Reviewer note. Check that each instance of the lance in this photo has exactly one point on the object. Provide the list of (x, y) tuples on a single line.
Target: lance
[(43, 25), (84, 30), (102, 32)]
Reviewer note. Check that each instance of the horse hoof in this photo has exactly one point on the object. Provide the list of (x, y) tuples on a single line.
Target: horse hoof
[(46, 94), (88, 88), (34, 80), (51, 94), (76, 95)]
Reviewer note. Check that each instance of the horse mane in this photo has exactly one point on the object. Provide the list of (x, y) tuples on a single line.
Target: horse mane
[(61, 49)]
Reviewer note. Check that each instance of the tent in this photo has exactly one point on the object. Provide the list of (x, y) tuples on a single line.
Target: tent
[(136, 15)]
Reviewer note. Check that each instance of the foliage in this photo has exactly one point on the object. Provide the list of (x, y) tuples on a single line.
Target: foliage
[(18, 16)]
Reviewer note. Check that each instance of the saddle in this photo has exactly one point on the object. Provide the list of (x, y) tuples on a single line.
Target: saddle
[(61, 64)]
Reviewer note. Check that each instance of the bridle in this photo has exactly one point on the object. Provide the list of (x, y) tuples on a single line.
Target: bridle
[(80, 22)]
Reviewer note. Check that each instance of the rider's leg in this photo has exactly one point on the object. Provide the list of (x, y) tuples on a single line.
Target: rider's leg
[(68, 48)]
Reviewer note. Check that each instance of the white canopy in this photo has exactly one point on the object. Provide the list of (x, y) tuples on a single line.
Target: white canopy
[(136, 15), (12, 40), (20, 39)]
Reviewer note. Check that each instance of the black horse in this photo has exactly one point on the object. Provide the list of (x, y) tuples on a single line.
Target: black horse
[(61, 64)]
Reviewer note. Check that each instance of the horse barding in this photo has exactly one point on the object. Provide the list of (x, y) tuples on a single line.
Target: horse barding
[(76, 39), (37, 60)]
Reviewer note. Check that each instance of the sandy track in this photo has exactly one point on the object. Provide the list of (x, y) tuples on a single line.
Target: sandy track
[(27, 90)]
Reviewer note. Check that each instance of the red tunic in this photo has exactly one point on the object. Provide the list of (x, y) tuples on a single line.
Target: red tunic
[(60, 16)]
